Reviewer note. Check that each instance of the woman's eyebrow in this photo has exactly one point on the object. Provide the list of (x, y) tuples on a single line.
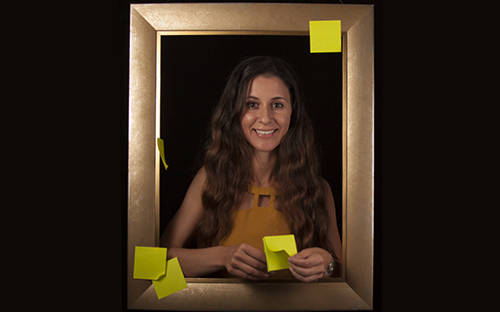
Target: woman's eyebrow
[(279, 98), (272, 99)]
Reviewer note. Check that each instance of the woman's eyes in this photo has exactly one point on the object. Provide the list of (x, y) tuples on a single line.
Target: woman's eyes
[(255, 105)]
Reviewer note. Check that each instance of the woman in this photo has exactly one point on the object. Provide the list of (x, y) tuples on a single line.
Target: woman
[(261, 177)]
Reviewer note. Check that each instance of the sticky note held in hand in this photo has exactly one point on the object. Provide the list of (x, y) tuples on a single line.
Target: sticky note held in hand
[(150, 262), (278, 249), (325, 36)]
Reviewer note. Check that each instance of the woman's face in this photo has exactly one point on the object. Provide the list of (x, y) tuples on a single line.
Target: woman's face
[(266, 117)]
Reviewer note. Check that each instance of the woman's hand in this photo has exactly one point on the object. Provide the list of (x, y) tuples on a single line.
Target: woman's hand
[(246, 261), (310, 264)]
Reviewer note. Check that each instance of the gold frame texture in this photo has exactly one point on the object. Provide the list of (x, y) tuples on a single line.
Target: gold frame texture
[(148, 22)]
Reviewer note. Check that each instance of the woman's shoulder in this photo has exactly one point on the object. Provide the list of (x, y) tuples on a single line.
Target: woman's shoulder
[(192, 199), (326, 185), (327, 188), (202, 174), (200, 177)]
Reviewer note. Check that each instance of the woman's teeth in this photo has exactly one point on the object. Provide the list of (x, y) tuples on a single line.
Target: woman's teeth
[(264, 132)]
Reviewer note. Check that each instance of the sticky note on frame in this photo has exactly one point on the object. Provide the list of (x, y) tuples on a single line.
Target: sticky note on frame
[(278, 249), (150, 262), (161, 148), (325, 36), (171, 282)]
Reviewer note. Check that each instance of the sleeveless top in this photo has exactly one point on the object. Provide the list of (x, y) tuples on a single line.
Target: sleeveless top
[(251, 225)]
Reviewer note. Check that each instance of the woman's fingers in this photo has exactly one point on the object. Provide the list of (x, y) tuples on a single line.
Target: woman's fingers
[(307, 273), (307, 277), (243, 270), (257, 257), (308, 265), (247, 262)]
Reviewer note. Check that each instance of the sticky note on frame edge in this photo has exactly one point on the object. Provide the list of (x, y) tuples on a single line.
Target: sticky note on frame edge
[(150, 262), (172, 282), (325, 36), (161, 148)]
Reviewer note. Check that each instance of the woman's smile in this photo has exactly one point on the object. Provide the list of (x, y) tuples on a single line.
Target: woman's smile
[(266, 117), (265, 133)]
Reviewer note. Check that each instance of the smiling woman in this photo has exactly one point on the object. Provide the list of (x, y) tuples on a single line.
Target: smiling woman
[(266, 118), (262, 138)]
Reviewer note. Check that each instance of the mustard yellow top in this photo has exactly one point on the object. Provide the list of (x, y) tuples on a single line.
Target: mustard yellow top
[(251, 225)]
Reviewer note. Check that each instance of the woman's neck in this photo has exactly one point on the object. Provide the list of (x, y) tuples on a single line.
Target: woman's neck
[(263, 166)]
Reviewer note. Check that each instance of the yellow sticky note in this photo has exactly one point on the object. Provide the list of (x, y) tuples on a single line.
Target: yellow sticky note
[(161, 147), (172, 282), (325, 36), (150, 262), (278, 249)]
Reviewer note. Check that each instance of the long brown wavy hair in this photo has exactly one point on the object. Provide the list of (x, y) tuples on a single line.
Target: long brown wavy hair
[(228, 162)]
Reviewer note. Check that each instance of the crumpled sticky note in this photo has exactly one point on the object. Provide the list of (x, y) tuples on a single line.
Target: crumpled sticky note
[(278, 249), (172, 282), (161, 147), (325, 36), (151, 263)]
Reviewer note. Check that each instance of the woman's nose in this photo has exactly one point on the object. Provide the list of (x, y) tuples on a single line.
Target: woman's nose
[(265, 115)]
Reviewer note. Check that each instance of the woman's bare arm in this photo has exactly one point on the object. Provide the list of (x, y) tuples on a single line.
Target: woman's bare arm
[(194, 262), (333, 233)]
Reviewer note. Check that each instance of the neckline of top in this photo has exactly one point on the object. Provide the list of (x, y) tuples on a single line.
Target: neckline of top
[(263, 190)]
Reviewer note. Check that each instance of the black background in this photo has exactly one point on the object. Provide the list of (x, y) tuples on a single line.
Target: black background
[(79, 54)]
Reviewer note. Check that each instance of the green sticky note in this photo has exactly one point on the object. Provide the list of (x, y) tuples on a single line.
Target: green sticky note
[(161, 147), (150, 262), (278, 249), (172, 282), (325, 36)]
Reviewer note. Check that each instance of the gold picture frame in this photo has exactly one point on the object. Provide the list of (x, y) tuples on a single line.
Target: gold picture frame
[(148, 22)]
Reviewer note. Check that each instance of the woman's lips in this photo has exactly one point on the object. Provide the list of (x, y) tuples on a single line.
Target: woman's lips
[(265, 133)]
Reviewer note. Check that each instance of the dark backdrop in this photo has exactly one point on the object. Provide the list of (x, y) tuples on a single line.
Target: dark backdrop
[(194, 70)]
